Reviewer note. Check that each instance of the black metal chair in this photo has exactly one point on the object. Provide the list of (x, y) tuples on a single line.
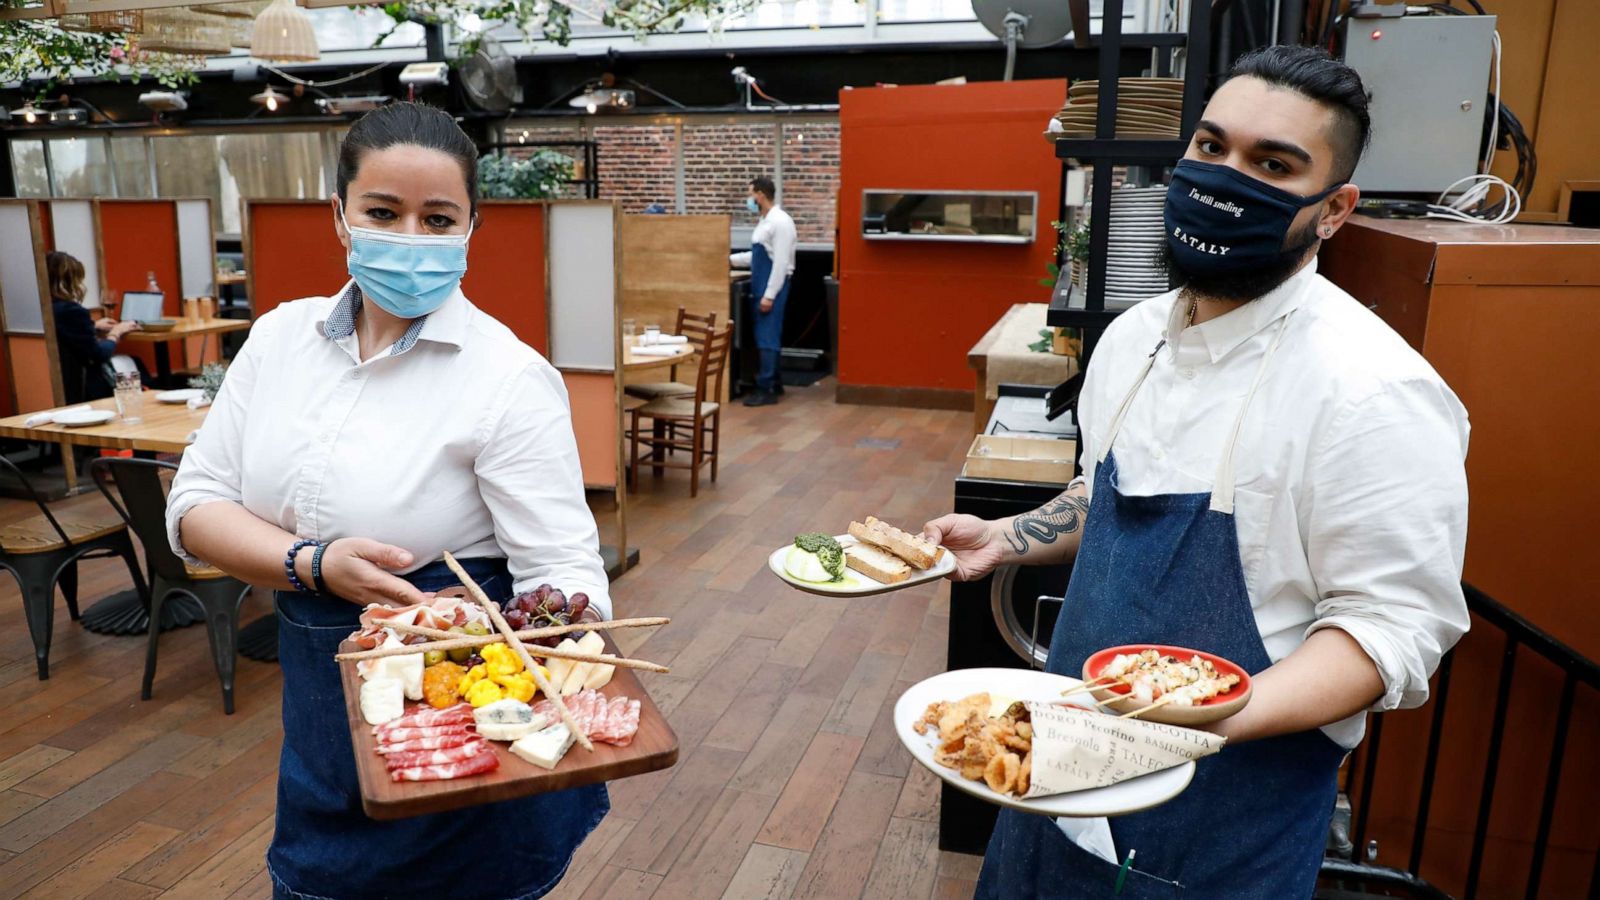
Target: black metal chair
[(42, 551), (143, 507)]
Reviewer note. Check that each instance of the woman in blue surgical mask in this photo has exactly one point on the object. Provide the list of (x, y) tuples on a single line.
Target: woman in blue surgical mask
[(357, 438)]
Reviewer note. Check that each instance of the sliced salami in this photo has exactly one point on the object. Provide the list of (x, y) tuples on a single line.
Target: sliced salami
[(412, 758), (395, 735), (428, 717)]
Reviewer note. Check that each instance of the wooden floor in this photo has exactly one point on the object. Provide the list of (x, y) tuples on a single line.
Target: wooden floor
[(790, 781)]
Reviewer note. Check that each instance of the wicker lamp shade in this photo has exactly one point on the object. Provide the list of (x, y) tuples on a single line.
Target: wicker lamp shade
[(283, 33), (182, 32)]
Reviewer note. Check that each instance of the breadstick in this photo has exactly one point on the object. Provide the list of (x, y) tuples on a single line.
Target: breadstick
[(533, 634), (500, 624), (621, 662)]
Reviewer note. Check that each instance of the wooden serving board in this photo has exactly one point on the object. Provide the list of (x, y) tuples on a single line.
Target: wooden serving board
[(654, 747)]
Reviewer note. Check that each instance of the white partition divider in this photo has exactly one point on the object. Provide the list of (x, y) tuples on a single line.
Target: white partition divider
[(583, 285), (19, 271), (75, 231), (196, 249)]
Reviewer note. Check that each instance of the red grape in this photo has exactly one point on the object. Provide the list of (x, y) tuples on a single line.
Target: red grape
[(555, 603), (577, 605)]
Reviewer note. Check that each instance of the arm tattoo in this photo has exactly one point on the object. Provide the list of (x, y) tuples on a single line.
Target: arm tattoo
[(1063, 515)]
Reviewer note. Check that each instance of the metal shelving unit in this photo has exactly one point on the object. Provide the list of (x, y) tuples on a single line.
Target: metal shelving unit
[(1105, 150)]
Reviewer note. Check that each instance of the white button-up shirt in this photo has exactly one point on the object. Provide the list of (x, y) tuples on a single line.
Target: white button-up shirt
[(1351, 500), (457, 438), (776, 233)]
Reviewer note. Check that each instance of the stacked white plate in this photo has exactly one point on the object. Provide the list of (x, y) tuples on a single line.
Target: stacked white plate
[(1135, 242)]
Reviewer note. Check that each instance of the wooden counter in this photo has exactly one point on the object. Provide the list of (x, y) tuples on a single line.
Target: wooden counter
[(1002, 356), (1510, 317)]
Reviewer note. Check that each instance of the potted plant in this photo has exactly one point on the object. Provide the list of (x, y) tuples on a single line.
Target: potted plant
[(209, 381), (539, 176)]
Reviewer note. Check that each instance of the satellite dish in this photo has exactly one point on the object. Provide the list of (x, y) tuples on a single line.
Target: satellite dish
[(489, 77), (1024, 23)]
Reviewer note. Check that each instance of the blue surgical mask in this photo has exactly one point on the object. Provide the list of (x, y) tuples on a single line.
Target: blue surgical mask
[(751, 204), (1220, 220), (407, 275)]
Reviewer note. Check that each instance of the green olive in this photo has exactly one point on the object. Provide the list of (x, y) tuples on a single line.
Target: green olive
[(459, 654), (477, 629), (433, 657)]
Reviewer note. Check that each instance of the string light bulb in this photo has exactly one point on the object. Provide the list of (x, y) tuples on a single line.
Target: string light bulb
[(270, 98)]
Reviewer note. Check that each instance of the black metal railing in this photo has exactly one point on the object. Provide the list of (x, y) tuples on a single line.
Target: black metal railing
[(1519, 633)]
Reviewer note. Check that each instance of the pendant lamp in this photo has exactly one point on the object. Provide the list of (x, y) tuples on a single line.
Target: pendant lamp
[(283, 33)]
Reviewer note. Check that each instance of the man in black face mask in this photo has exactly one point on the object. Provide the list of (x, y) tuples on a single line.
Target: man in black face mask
[(1271, 475)]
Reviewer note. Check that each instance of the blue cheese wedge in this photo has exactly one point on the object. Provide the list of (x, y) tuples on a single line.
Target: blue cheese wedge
[(545, 748), (508, 720), (382, 700)]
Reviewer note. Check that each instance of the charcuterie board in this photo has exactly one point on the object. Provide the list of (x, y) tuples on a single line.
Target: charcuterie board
[(654, 747)]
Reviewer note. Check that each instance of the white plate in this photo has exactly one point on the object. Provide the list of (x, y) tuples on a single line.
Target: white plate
[(81, 417), (855, 583), (1025, 684), (182, 395)]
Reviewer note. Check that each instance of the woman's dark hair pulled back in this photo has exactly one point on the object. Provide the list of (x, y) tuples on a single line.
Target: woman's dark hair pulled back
[(408, 123)]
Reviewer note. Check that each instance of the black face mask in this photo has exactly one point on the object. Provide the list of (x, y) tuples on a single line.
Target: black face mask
[(1221, 222), (1246, 284)]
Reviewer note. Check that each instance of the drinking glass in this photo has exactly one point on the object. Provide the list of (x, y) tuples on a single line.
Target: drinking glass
[(628, 328), (652, 333), (130, 397)]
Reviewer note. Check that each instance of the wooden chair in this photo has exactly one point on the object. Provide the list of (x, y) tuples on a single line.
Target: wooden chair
[(143, 507), (700, 416), (698, 329), (42, 551)]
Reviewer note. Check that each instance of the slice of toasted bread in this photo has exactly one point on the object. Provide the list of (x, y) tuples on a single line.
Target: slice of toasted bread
[(913, 548), (877, 564)]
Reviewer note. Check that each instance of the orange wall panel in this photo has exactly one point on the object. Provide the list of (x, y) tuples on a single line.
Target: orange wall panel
[(30, 365), (506, 272), (909, 312), (292, 252), (593, 396), (139, 237)]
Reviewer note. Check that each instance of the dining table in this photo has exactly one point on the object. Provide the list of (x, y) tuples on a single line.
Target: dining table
[(162, 428), (185, 329), (634, 363)]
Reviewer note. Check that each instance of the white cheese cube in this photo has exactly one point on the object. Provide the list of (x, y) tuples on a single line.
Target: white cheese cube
[(545, 748), (406, 668), (382, 700)]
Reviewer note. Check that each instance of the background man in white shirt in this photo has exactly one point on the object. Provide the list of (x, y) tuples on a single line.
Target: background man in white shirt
[(771, 264), (1276, 477)]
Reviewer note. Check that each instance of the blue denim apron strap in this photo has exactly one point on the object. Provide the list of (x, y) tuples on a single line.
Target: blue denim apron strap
[(324, 846), (768, 326)]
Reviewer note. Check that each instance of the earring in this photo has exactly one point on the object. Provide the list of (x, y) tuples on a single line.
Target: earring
[(1326, 232)]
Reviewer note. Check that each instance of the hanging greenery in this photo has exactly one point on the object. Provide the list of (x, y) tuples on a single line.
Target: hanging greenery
[(41, 49), (540, 176), (552, 20)]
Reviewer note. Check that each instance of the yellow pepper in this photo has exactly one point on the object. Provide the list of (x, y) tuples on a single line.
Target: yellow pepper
[(517, 687), (484, 693), (501, 660)]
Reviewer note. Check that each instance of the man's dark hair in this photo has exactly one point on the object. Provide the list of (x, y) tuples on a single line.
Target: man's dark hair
[(1312, 73), (408, 123), (764, 185)]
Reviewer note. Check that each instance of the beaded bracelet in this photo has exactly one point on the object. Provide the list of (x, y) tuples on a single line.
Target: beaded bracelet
[(288, 564), (316, 568)]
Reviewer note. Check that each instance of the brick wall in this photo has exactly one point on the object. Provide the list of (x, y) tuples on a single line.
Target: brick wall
[(718, 163), (637, 165), (811, 178), (556, 132)]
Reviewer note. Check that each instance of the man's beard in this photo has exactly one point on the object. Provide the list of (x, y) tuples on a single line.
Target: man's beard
[(1247, 284)]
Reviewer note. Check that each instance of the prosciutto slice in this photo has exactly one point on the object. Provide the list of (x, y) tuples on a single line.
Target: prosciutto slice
[(427, 717), (405, 733), (477, 764), (439, 612), (428, 743), (412, 758)]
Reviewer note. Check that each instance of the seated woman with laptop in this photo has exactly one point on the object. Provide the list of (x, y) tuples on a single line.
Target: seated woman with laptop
[(85, 346)]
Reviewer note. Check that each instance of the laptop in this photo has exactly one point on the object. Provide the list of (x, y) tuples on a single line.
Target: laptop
[(141, 306)]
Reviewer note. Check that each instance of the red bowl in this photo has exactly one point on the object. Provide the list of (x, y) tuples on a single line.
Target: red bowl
[(1218, 707)]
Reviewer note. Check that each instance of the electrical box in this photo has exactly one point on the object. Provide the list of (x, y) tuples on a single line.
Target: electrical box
[(1429, 79)]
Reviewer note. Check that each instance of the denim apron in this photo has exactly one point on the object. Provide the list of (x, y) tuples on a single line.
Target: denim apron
[(768, 325), (1165, 569), (326, 847)]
